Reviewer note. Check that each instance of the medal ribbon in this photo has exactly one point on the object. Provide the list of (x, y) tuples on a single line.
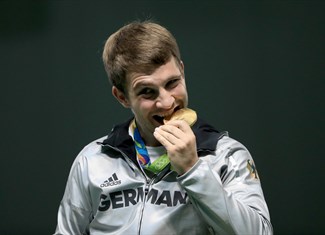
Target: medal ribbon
[(142, 154)]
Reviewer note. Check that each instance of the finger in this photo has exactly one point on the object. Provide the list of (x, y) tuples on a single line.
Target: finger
[(162, 139), (171, 129), (180, 124), (168, 136)]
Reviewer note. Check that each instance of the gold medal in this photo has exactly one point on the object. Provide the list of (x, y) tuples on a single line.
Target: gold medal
[(186, 114)]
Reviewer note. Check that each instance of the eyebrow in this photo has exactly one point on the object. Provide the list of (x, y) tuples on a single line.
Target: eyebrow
[(145, 83)]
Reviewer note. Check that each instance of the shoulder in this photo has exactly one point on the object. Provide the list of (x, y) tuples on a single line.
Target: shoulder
[(228, 148), (227, 143), (91, 150)]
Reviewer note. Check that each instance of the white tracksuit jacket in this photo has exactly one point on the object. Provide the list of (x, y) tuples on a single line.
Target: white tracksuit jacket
[(108, 193)]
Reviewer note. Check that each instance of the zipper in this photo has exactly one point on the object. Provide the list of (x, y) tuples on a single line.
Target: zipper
[(148, 183), (146, 191)]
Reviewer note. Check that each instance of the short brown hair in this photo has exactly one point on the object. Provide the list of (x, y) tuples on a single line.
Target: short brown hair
[(138, 47)]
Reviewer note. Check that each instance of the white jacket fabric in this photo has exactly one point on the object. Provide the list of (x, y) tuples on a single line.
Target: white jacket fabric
[(107, 192)]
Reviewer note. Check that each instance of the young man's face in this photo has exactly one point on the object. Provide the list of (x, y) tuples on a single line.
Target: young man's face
[(151, 97)]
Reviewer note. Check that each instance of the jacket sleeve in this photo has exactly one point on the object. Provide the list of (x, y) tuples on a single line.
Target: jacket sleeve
[(226, 191), (74, 214)]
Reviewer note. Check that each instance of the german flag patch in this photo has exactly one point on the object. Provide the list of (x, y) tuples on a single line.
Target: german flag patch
[(252, 169)]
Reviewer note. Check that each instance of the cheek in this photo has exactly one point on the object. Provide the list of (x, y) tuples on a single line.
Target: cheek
[(143, 106), (180, 91)]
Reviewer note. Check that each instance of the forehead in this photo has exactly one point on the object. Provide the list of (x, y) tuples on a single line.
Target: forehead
[(164, 72)]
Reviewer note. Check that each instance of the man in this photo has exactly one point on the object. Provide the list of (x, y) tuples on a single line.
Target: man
[(202, 182)]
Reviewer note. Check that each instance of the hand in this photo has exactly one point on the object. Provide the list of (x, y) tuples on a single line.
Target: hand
[(179, 140)]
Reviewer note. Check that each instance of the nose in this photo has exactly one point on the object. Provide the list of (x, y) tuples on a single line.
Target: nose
[(165, 100)]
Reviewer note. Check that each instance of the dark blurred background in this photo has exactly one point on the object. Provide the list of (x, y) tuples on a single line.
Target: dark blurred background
[(253, 68)]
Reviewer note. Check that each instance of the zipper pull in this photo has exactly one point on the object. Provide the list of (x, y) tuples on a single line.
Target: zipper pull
[(146, 189)]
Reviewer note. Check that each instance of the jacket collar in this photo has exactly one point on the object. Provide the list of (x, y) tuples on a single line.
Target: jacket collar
[(206, 138)]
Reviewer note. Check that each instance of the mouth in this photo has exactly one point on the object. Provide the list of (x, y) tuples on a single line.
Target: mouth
[(160, 118)]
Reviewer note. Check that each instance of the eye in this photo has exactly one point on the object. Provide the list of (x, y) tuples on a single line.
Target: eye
[(147, 93), (173, 83)]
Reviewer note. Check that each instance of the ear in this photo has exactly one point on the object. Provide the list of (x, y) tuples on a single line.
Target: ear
[(182, 67), (119, 95)]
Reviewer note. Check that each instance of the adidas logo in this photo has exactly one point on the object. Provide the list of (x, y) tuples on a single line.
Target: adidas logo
[(111, 181)]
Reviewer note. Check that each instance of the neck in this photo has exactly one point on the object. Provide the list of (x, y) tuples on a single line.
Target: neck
[(147, 138)]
